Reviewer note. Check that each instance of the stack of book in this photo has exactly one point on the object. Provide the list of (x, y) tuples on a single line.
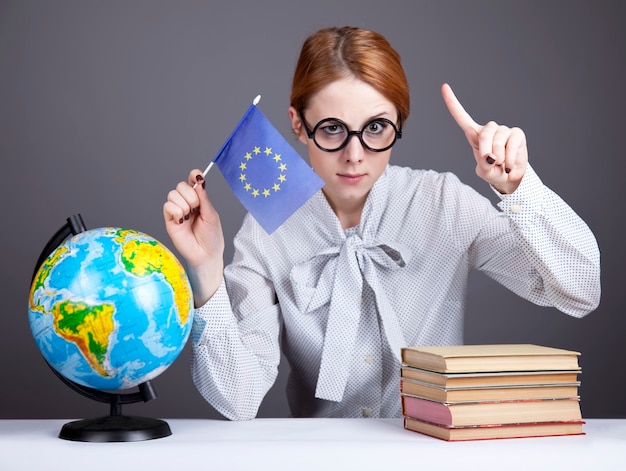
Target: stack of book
[(474, 392)]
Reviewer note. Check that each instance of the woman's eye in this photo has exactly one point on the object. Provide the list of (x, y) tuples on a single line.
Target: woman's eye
[(375, 127), (333, 129)]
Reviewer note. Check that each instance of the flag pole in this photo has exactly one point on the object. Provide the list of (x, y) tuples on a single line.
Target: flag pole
[(206, 170)]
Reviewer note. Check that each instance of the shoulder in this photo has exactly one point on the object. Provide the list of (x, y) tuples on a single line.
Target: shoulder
[(403, 180), (428, 195)]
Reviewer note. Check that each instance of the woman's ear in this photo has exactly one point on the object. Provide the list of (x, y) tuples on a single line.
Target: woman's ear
[(296, 125)]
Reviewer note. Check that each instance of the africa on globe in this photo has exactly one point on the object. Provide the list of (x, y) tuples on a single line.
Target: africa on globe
[(110, 308)]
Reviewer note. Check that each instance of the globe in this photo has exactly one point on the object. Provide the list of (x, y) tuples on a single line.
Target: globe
[(110, 308)]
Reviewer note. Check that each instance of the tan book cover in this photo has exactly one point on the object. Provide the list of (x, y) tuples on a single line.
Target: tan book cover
[(490, 378), (496, 357), (494, 393), (545, 429)]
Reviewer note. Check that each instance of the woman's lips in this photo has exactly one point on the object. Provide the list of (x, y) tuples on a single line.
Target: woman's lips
[(351, 178)]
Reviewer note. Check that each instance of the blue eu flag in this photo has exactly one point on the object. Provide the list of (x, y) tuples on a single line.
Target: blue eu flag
[(267, 175)]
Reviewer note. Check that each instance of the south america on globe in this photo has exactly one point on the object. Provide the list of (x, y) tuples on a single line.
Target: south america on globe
[(110, 308)]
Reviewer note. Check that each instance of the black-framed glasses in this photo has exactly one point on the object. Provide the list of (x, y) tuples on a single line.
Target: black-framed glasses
[(332, 134)]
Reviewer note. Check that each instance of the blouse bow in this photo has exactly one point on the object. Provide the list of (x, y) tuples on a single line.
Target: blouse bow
[(336, 275)]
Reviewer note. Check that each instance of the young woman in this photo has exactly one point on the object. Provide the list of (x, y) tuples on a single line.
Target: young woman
[(379, 258)]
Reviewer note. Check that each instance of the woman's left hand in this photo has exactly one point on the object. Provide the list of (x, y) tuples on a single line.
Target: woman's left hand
[(500, 152)]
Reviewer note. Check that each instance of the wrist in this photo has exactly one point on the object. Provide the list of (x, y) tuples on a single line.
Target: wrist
[(205, 281), (507, 188)]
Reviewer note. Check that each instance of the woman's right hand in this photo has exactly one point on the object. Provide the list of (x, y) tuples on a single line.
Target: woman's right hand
[(194, 226)]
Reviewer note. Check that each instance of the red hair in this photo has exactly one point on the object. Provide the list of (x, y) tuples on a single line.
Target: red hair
[(335, 53)]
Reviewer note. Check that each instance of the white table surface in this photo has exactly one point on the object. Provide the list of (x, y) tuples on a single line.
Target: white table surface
[(307, 444)]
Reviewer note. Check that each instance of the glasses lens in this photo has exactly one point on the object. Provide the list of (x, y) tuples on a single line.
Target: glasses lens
[(377, 135), (330, 134)]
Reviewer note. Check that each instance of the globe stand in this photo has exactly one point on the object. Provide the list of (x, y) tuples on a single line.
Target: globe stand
[(114, 427)]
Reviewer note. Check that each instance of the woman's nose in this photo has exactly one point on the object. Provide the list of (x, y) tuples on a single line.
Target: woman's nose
[(354, 150)]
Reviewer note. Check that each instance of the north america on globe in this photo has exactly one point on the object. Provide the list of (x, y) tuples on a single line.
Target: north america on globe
[(110, 308)]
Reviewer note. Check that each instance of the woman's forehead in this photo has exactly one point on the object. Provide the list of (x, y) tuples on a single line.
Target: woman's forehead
[(350, 99)]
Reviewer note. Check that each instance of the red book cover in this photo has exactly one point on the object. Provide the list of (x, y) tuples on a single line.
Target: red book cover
[(494, 412)]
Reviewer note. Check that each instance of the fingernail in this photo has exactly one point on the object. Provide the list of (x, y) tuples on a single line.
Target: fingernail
[(490, 160), (203, 185), (199, 178), (186, 216), (507, 170), (180, 221), (196, 209)]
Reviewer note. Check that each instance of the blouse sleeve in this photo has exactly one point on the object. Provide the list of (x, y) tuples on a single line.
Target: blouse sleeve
[(235, 356), (541, 250)]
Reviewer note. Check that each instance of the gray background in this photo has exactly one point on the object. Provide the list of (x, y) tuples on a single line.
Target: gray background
[(105, 106)]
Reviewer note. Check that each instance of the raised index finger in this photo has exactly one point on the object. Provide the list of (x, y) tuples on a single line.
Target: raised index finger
[(462, 117)]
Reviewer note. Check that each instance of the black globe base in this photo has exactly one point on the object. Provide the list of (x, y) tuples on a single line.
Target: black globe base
[(115, 428)]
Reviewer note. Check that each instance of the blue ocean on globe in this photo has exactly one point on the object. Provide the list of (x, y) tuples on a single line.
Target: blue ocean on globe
[(110, 308)]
